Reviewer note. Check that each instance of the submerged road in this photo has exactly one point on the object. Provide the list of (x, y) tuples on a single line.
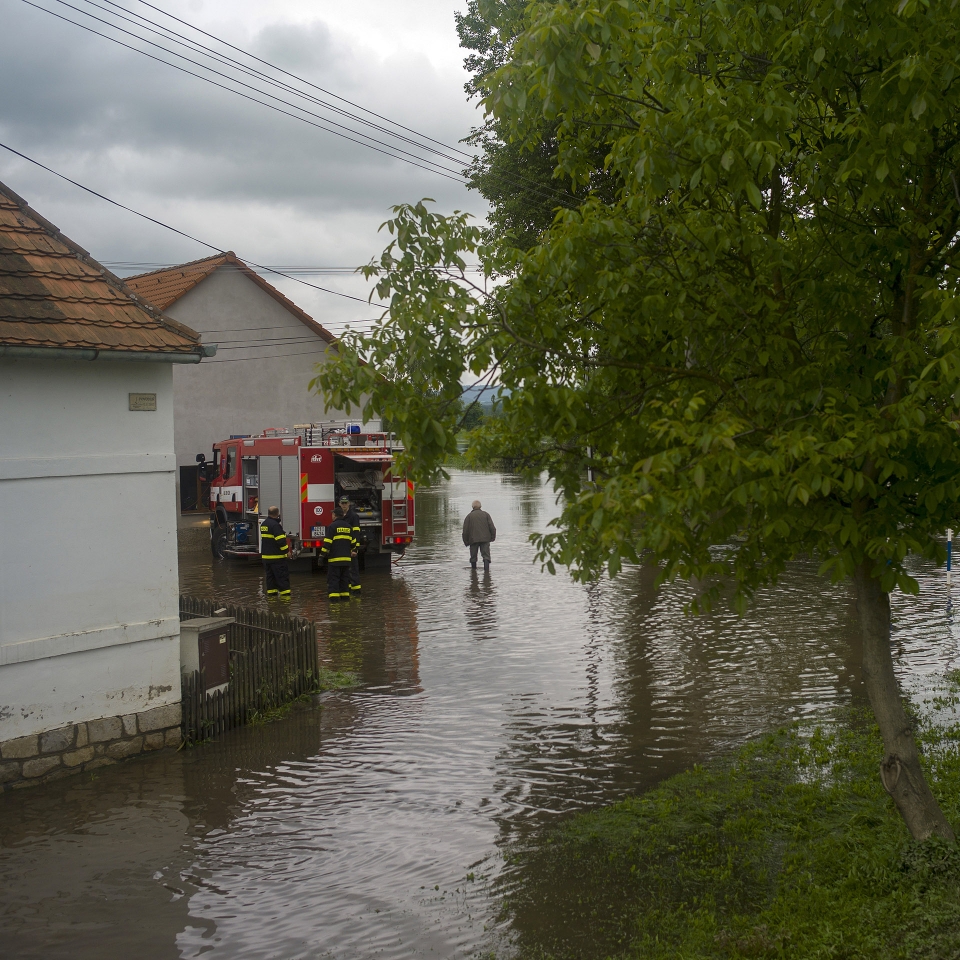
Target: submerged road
[(375, 821)]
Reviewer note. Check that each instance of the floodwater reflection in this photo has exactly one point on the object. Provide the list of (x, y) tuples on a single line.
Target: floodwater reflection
[(372, 822)]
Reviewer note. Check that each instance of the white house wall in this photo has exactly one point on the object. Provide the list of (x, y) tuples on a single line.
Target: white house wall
[(89, 622), (242, 390)]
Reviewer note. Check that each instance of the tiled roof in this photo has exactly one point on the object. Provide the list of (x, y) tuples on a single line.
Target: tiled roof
[(164, 287), (54, 294)]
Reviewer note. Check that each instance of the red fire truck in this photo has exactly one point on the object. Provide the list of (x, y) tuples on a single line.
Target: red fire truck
[(305, 471)]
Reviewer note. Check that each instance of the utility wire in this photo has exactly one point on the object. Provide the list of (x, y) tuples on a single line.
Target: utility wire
[(167, 226), (146, 267), (301, 79), (441, 171), (256, 74), (169, 34), (195, 47), (266, 356)]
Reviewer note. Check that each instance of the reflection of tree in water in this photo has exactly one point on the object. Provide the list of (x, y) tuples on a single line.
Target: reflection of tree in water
[(590, 749), (528, 502), (715, 680), (377, 637), (401, 640), (682, 689), (221, 778)]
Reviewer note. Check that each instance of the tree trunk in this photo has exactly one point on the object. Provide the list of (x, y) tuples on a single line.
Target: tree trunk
[(900, 770)]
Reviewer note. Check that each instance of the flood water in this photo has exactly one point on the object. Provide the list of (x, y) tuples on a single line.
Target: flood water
[(374, 821)]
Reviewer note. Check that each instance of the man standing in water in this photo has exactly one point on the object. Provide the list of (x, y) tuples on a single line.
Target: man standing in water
[(273, 547), (353, 518), (338, 549), (478, 533)]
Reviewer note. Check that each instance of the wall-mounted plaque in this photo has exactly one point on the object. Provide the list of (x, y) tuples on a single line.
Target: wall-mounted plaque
[(143, 401)]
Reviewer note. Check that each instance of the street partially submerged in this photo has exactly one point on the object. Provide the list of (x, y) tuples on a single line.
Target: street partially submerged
[(403, 816)]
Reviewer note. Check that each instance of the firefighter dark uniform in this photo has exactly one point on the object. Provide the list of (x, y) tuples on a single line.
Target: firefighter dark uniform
[(273, 552), (353, 519), (338, 546)]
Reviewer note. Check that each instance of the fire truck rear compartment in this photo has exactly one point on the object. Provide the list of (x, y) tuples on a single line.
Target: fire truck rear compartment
[(363, 484), (280, 487)]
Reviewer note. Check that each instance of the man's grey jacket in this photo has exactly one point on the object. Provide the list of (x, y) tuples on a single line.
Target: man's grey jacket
[(478, 527)]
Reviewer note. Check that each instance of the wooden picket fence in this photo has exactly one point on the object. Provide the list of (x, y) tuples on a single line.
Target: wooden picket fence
[(273, 660)]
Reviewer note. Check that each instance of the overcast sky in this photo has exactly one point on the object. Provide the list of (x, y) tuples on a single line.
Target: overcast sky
[(243, 177)]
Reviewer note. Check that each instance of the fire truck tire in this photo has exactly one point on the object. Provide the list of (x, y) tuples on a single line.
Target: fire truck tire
[(218, 544)]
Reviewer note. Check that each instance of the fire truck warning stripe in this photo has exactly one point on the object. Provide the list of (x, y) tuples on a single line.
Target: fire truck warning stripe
[(303, 488)]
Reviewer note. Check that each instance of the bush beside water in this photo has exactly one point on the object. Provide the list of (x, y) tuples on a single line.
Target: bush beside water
[(791, 849)]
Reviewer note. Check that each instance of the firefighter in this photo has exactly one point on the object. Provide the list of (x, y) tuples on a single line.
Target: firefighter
[(351, 517), (273, 552), (339, 547)]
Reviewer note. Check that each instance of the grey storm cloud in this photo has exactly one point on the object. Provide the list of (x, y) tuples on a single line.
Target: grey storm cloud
[(219, 167), (80, 95)]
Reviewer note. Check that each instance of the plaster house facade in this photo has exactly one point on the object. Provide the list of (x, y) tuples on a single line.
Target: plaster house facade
[(268, 348), (89, 613)]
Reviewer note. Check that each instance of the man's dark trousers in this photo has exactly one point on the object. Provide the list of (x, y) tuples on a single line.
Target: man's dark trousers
[(277, 575), (353, 518), (483, 549), (338, 581)]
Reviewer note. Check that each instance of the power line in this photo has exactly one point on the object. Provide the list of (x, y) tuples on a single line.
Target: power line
[(242, 329), (273, 66), (195, 47), (148, 267), (255, 342), (268, 356), (167, 226), (434, 168), (212, 54), (168, 34)]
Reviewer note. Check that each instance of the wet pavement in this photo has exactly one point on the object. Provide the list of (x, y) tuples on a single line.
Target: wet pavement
[(374, 821)]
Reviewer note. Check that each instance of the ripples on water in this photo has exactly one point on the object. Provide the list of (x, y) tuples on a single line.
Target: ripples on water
[(489, 706)]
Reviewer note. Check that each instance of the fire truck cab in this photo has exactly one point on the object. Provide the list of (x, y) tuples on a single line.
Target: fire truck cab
[(304, 472)]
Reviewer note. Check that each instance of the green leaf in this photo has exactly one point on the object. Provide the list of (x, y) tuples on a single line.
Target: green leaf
[(754, 195), (819, 54)]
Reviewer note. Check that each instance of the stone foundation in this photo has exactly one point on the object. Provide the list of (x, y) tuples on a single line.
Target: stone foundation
[(79, 747)]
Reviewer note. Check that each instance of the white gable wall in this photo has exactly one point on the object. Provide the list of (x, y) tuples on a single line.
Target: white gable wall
[(262, 386), (89, 623)]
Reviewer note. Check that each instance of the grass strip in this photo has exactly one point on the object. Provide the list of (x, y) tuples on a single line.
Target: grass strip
[(326, 680), (789, 849)]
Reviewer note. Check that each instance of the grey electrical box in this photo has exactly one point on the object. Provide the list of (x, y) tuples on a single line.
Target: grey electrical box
[(205, 648)]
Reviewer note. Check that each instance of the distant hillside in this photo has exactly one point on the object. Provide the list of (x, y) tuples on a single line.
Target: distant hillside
[(484, 395)]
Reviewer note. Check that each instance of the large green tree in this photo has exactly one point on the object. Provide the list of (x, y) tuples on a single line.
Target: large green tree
[(751, 340)]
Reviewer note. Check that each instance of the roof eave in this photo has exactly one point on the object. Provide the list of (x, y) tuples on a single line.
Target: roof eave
[(16, 351)]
